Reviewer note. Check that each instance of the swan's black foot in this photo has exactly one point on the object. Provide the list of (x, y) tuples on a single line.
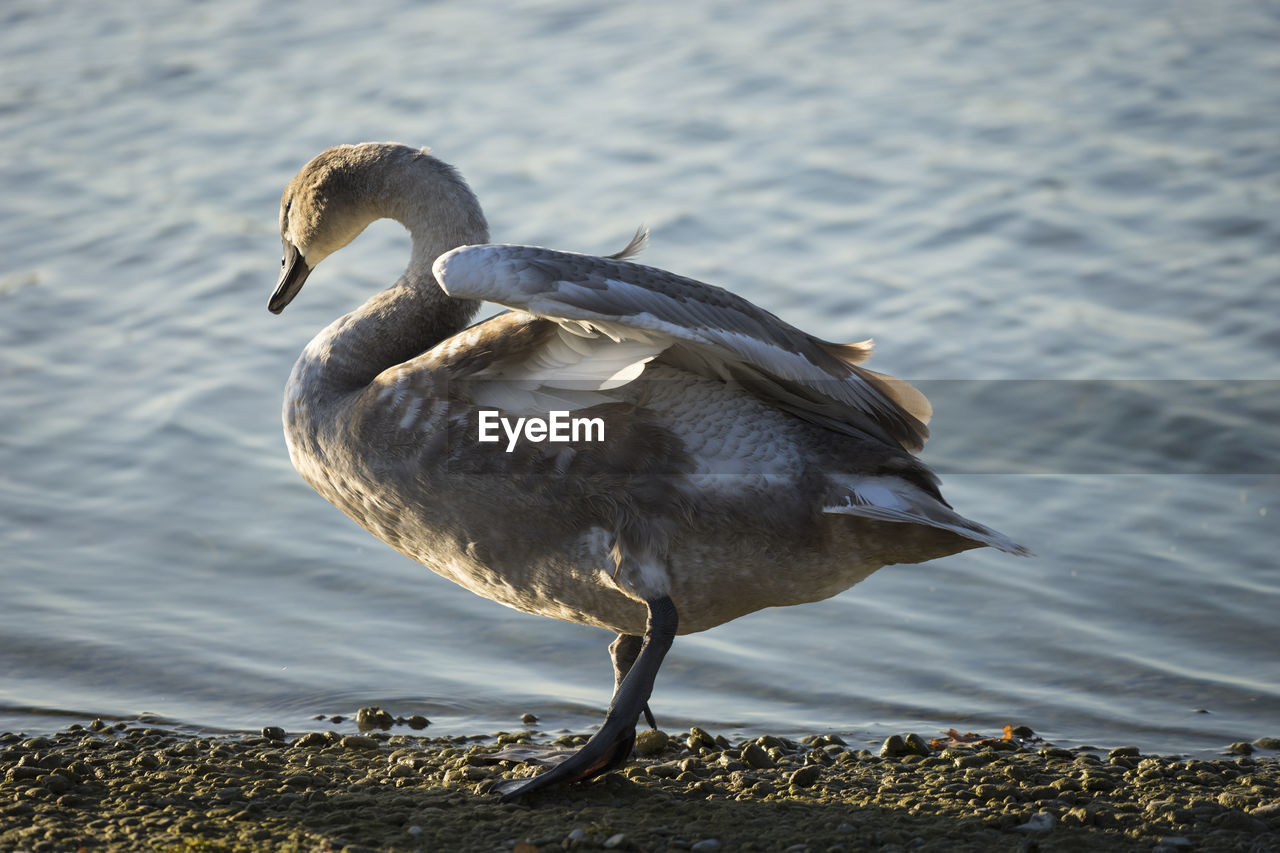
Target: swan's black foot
[(610, 747)]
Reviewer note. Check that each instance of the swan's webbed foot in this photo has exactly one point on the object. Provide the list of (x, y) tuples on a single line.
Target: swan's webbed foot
[(610, 747)]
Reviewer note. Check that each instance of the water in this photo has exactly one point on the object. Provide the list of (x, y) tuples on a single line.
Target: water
[(996, 192)]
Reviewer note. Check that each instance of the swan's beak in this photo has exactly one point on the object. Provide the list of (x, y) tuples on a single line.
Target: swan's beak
[(293, 273)]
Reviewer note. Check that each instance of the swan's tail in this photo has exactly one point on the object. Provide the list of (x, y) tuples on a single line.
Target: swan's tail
[(892, 499)]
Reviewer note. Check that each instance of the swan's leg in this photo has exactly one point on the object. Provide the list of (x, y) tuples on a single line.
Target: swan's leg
[(623, 651), (611, 745)]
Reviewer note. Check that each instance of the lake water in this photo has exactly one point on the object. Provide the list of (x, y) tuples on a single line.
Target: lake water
[(1061, 220)]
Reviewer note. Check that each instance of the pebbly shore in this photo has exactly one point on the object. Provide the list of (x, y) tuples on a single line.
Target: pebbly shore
[(114, 787)]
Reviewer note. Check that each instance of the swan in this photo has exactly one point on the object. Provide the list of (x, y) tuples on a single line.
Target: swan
[(743, 463)]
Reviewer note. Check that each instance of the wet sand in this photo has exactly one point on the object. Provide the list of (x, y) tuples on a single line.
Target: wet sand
[(137, 787)]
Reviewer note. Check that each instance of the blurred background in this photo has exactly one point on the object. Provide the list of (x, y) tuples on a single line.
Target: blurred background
[(1061, 220)]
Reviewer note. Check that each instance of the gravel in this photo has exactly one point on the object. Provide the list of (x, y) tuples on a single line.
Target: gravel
[(138, 787)]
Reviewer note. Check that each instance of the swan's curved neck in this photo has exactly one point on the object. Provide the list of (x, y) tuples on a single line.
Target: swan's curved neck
[(414, 314)]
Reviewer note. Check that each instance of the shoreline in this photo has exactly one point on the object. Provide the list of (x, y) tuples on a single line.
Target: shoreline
[(142, 787)]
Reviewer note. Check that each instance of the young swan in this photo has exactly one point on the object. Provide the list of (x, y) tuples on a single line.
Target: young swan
[(743, 463)]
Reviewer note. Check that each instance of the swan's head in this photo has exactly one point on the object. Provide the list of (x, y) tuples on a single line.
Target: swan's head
[(326, 206)]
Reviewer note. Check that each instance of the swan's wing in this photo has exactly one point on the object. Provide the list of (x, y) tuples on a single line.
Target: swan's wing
[(526, 364), (697, 326)]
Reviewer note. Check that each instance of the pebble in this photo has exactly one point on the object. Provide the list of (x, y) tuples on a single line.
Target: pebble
[(806, 776), (357, 742), (753, 755), (146, 788), (373, 717), (651, 742)]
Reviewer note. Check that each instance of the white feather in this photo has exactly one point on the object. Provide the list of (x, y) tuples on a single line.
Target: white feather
[(891, 499)]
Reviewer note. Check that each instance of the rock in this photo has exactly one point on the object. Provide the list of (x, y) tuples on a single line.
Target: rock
[(1124, 752), (615, 841), (916, 745), (311, 739), (418, 722), (706, 845), (528, 719), (1079, 816), (22, 772), (755, 756), (358, 742), (1240, 747), (373, 717), (893, 746), (56, 783), (1055, 752), (651, 742), (700, 737), (806, 776), (1267, 743)]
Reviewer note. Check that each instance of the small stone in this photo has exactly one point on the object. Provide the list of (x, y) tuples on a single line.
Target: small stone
[(1267, 743), (651, 742), (56, 783), (373, 717), (893, 746), (528, 719), (22, 772), (1079, 816), (615, 841), (1055, 752), (702, 737), (1240, 747), (706, 845), (311, 739), (755, 756), (358, 742), (146, 760), (806, 776), (418, 722), (916, 745), (1124, 752)]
